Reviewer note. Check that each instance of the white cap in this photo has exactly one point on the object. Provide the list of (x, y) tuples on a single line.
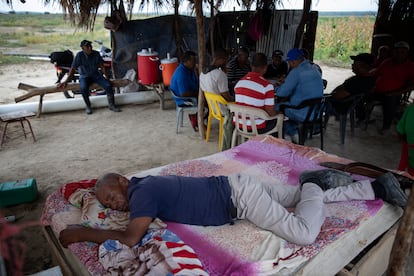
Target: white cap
[(402, 44)]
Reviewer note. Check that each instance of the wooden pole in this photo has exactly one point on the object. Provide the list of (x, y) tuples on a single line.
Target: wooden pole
[(403, 241), (201, 63), (36, 91)]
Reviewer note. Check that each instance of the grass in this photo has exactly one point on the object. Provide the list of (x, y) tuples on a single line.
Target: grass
[(45, 33), (336, 38), (339, 37)]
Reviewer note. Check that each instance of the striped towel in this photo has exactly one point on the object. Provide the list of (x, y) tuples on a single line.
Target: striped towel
[(160, 252)]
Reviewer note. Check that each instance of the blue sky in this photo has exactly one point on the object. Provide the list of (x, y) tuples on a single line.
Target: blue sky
[(320, 5)]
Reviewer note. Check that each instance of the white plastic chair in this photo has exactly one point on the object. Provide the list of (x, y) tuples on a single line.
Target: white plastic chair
[(245, 114)]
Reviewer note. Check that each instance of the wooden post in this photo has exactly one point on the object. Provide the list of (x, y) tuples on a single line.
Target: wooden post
[(403, 241), (36, 91), (201, 63)]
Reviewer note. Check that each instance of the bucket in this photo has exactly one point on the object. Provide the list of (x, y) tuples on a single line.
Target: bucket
[(147, 66), (167, 68)]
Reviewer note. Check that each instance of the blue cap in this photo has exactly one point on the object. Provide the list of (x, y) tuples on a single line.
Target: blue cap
[(295, 54)]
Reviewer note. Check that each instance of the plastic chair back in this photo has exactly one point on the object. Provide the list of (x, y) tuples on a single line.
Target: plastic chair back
[(214, 102), (245, 124)]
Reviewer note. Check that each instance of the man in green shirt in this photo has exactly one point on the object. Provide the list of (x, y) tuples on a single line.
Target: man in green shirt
[(405, 129)]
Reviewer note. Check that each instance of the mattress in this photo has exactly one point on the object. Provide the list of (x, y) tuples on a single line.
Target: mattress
[(243, 248)]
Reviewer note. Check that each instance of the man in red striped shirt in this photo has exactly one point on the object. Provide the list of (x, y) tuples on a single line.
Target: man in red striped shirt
[(255, 91)]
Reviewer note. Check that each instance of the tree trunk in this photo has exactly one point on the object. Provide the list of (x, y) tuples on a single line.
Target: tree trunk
[(201, 61), (177, 31), (212, 23), (300, 30), (381, 20)]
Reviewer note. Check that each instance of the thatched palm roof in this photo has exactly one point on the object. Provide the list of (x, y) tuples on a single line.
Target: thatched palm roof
[(82, 13)]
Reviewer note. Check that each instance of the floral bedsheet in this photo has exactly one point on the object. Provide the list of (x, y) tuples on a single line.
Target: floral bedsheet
[(243, 248)]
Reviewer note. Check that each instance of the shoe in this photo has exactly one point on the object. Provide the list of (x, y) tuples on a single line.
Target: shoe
[(387, 187), (193, 121), (88, 110), (326, 178), (114, 108)]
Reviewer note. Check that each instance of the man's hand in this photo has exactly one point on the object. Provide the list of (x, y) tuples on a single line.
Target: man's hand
[(70, 234)]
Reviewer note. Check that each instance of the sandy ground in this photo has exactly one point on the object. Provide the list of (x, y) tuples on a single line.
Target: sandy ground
[(72, 146)]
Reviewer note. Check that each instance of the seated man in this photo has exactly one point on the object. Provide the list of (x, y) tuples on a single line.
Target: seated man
[(254, 90), (277, 69), (90, 66), (184, 83), (214, 79), (405, 131), (362, 83), (302, 83), (395, 76), (384, 52), (217, 200), (238, 67), (314, 65)]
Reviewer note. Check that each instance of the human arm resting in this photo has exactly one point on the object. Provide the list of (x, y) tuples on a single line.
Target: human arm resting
[(69, 78), (340, 93), (226, 95), (104, 71), (131, 236), (270, 110)]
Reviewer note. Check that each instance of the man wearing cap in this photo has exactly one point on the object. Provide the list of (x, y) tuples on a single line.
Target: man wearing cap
[(238, 67), (278, 68), (88, 62), (395, 76), (361, 83), (303, 82)]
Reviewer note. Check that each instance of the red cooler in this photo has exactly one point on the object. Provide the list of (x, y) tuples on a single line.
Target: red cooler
[(167, 68), (148, 63)]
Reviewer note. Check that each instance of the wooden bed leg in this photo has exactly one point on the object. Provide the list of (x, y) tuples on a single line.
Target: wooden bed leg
[(58, 254), (39, 108), (403, 241)]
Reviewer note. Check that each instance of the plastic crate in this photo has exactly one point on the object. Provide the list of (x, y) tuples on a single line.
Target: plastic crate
[(18, 191)]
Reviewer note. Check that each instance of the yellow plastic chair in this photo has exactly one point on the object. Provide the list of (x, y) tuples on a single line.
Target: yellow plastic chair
[(214, 101)]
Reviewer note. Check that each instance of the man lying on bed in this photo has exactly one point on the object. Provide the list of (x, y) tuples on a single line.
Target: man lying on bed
[(217, 200)]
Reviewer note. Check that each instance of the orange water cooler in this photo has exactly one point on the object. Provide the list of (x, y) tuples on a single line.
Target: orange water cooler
[(167, 68), (148, 63)]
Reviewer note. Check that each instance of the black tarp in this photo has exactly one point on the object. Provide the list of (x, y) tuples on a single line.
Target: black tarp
[(156, 33)]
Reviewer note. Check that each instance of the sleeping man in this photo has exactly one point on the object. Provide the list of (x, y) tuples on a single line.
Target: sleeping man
[(217, 200)]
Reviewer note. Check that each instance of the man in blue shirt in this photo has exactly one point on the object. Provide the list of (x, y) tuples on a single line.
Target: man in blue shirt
[(88, 62), (184, 83), (303, 82), (217, 200)]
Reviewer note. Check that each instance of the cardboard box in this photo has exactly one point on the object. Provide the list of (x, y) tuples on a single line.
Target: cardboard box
[(18, 191)]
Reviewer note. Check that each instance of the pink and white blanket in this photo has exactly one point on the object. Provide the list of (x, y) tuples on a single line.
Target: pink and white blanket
[(243, 248)]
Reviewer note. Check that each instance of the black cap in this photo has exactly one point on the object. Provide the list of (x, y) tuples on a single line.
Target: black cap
[(277, 53), (364, 57), (85, 43)]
